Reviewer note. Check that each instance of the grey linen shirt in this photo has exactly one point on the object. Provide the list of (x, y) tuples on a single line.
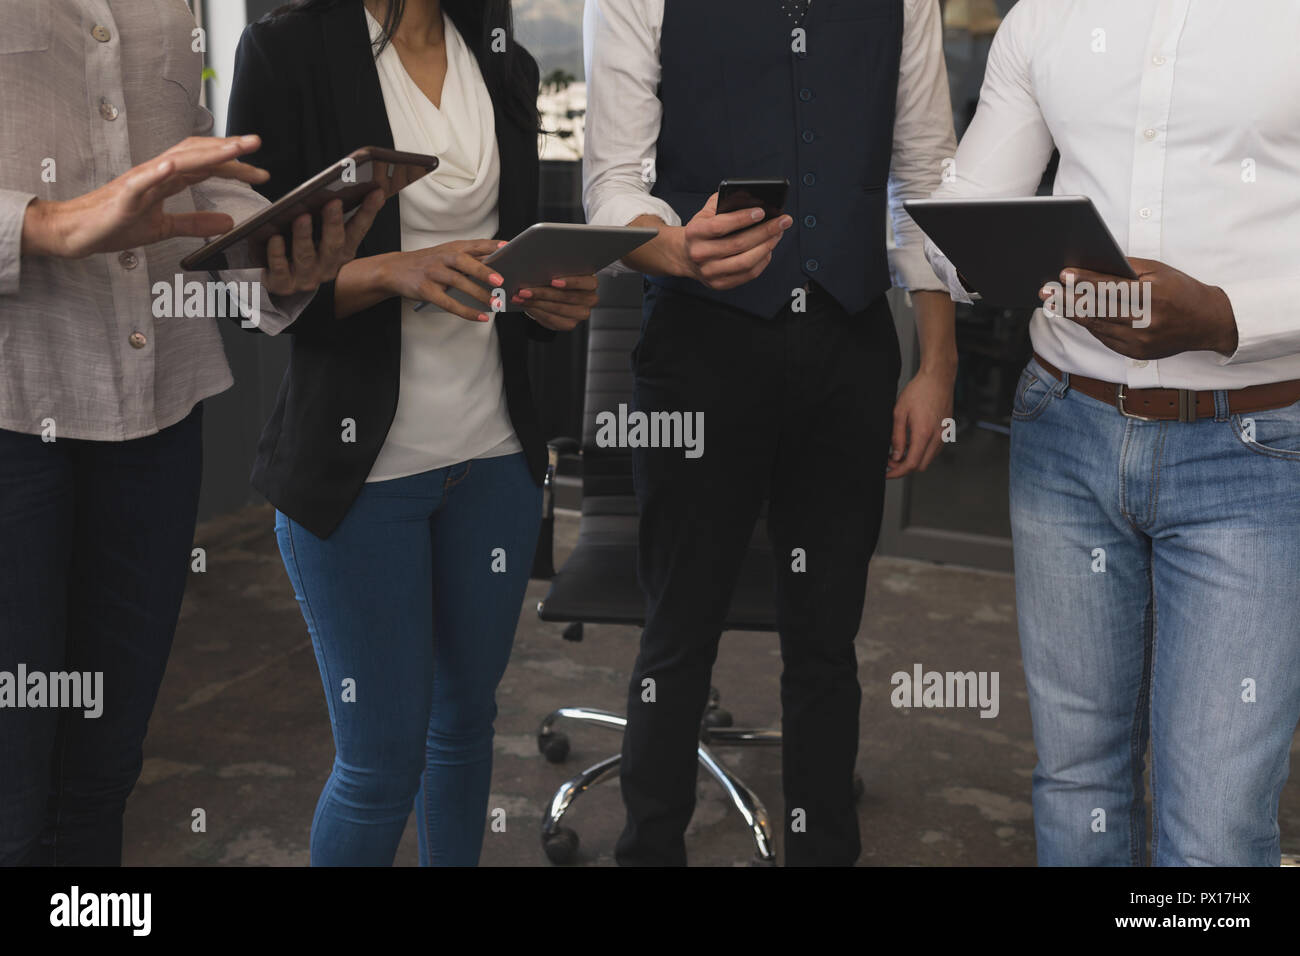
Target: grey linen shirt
[(91, 88)]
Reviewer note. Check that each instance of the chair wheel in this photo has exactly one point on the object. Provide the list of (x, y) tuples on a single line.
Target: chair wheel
[(561, 846), (859, 787), (554, 746), (573, 632), (717, 718)]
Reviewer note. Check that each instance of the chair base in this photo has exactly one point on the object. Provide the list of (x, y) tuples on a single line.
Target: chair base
[(561, 843)]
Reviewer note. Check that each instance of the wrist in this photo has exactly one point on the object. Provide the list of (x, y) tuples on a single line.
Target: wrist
[(374, 275), (1228, 341), (942, 365)]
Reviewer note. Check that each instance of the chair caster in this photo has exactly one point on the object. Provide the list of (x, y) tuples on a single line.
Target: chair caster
[(717, 718), (553, 746), (859, 787), (561, 846), (573, 632)]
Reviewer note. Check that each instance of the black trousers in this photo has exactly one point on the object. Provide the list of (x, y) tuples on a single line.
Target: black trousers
[(797, 410), (95, 540)]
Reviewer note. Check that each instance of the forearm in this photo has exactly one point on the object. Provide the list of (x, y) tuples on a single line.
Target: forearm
[(936, 328), (40, 233), (362, 283), (663, 255)]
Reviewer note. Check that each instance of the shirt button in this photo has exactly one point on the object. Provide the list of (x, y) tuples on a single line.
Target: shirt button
[(137, 340), (809, 179), (107, 110), (1149, 133), (810, 221), (128, 260), (102, 34), (805, 94), (812, 265), (808, 136), (1144, 213), (1159, 60), (1141, 363)]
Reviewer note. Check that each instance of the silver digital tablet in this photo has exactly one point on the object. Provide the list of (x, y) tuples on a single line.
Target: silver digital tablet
[(552, 250), (1008, 249)]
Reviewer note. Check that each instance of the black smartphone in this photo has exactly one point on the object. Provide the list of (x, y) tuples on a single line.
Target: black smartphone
[(766, 194)]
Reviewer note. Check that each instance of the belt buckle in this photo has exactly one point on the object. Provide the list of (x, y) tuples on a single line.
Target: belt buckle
[(1186, 405), (1120, 395)]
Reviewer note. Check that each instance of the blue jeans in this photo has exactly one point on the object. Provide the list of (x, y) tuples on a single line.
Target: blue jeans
[(412, 605), (1158, 588)]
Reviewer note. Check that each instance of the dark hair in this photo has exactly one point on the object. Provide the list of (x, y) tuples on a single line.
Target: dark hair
[(505, 73)]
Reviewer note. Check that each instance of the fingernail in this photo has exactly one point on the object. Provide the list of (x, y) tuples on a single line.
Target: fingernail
[(482, 317), (501, 243), (496, 279), (558, 283), (249, 140), (756, 214), (527, 294)]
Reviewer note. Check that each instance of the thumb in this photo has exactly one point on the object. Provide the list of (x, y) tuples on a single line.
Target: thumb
[(898, 440)]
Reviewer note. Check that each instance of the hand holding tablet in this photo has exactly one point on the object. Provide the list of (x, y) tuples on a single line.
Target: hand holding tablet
[(531, 264), (1006, 250)]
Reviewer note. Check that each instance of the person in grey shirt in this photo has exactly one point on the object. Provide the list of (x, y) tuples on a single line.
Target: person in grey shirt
[(107, 179)]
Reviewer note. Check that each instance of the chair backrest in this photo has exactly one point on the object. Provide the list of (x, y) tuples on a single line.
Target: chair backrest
[(609, 505), (612, 332)]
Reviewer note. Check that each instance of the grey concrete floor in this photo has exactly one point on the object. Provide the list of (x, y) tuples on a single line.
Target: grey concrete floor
[(241, 731)]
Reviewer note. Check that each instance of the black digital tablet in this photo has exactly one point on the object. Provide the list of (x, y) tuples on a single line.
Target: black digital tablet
[(349, 180), (1008, 249)]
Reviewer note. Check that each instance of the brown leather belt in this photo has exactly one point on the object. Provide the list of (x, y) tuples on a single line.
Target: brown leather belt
[(1179, 404)]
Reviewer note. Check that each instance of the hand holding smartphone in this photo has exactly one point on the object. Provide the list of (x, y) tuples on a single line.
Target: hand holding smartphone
[(766, 194)]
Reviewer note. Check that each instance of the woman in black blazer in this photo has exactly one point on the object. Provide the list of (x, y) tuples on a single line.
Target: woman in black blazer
[(404, 456)]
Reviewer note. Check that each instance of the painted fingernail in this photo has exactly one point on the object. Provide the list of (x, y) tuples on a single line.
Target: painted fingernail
[(527, 294), (496, 279), (482, 317), (558, 283)]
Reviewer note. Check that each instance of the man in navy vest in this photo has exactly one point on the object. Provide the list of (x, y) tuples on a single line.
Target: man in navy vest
[(778, 333)]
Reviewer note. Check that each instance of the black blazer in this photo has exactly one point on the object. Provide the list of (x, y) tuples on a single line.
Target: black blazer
[(307, 84)]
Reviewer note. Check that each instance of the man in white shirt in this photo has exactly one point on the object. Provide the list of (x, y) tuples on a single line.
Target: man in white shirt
[(1155, 456), (778, 334)]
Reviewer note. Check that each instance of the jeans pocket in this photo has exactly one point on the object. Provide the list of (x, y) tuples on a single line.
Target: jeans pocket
[(1033, 395), (1274, 433)]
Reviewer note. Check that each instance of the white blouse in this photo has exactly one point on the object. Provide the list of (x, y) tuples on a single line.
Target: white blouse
[(451, 404)]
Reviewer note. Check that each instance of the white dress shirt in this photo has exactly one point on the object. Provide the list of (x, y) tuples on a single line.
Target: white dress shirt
[(621, 50), (451, 403), (1179, 119)]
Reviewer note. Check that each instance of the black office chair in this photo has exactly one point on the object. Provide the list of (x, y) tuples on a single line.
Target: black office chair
[(598, 582)]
